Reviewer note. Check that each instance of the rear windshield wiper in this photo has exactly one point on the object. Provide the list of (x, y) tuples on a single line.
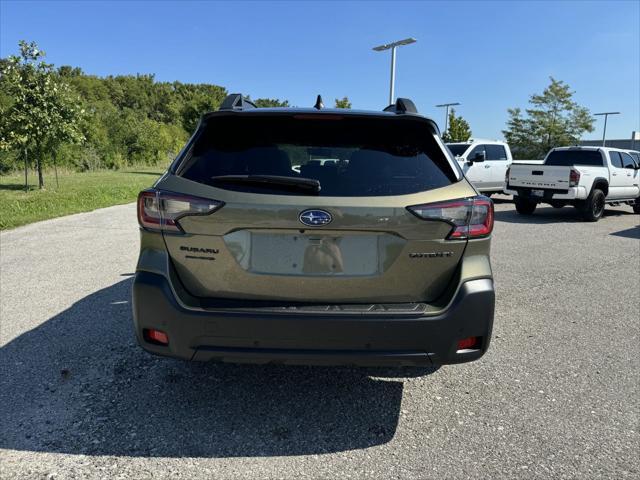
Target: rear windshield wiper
[(300, 184)]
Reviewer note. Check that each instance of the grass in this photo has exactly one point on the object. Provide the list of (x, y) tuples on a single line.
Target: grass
[(78, 192)]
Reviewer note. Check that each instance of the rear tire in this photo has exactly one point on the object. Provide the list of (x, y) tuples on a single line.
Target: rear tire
[(524, 206), (557, 205), (593, 208), (636, 206)]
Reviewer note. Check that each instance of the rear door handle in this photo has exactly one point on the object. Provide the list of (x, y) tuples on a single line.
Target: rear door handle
[(487, 166), (614, 174)]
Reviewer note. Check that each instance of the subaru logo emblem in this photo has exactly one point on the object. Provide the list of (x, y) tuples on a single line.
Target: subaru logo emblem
[(315, 218)]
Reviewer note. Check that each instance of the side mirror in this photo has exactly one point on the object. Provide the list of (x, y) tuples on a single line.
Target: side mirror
[(479, 157)]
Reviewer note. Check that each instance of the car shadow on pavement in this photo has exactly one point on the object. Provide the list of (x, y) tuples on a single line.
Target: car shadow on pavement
[(545, 215), (79, 384), (633, 232), (501, 200)]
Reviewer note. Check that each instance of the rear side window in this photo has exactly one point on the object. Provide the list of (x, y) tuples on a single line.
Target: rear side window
[(496, 152), (636, 157), (616, 159), (568, 158), (348, 155)]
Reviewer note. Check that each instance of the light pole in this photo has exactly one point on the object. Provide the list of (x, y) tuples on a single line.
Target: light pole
[(446, 115), (604, 133), (392, 46)]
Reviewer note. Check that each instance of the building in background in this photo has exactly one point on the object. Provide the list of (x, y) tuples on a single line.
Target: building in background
[(632, 143)]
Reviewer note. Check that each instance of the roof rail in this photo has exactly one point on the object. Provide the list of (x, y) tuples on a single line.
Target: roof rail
[(235, 101), (402, 105)]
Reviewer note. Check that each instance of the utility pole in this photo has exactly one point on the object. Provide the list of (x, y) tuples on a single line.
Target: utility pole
[(446, 115), (604, 132), (392, 46)]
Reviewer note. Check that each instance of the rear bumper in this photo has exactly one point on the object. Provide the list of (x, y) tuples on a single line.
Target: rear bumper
[(573, 193), (256, 336)]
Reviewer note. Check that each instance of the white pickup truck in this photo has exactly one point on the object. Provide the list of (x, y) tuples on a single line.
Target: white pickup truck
[(484, 162), (586, 177)]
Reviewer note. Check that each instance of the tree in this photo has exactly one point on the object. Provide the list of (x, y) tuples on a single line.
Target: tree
[(196, 100), (554, 120), (129, 120), (343, 103), (43, 113), (270, 102), (458, 129)]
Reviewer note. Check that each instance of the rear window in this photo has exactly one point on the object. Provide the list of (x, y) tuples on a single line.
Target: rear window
[(496, 152), (349, 156), (568, 158), (616, 159)]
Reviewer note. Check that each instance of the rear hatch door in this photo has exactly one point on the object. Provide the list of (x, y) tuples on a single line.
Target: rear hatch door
[(353, 241)]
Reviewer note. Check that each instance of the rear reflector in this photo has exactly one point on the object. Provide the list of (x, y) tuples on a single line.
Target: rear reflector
[(471, 343), (156, 336), (158, 210), (470, 217)]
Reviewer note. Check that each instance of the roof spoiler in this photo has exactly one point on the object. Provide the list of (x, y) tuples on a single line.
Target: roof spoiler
[(235, 101), (402, 105)]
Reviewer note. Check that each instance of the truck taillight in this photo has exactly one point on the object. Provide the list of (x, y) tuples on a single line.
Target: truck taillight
[(506, 175), (574, 178), (158, 210), (470, 217)]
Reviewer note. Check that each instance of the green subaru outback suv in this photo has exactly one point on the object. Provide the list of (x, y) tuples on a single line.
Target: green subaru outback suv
[(314, 236)]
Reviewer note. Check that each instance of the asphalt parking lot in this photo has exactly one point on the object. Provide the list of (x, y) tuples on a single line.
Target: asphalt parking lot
[(557, 395)]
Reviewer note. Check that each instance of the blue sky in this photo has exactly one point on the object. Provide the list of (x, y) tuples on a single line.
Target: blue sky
[(486, 55)]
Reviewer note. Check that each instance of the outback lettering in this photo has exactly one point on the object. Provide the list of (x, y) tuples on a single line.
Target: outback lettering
[(430, 254)]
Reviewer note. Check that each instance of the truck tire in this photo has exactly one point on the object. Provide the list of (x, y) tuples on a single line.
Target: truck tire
[(593, 208), (636, 206), (524, 206), (557, 204)]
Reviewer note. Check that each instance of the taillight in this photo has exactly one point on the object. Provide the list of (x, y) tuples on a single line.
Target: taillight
[(158, 210), (470, 217), (506, 175), (574, 178)]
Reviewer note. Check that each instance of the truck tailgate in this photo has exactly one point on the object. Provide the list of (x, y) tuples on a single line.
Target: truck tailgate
[(538, 176)]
